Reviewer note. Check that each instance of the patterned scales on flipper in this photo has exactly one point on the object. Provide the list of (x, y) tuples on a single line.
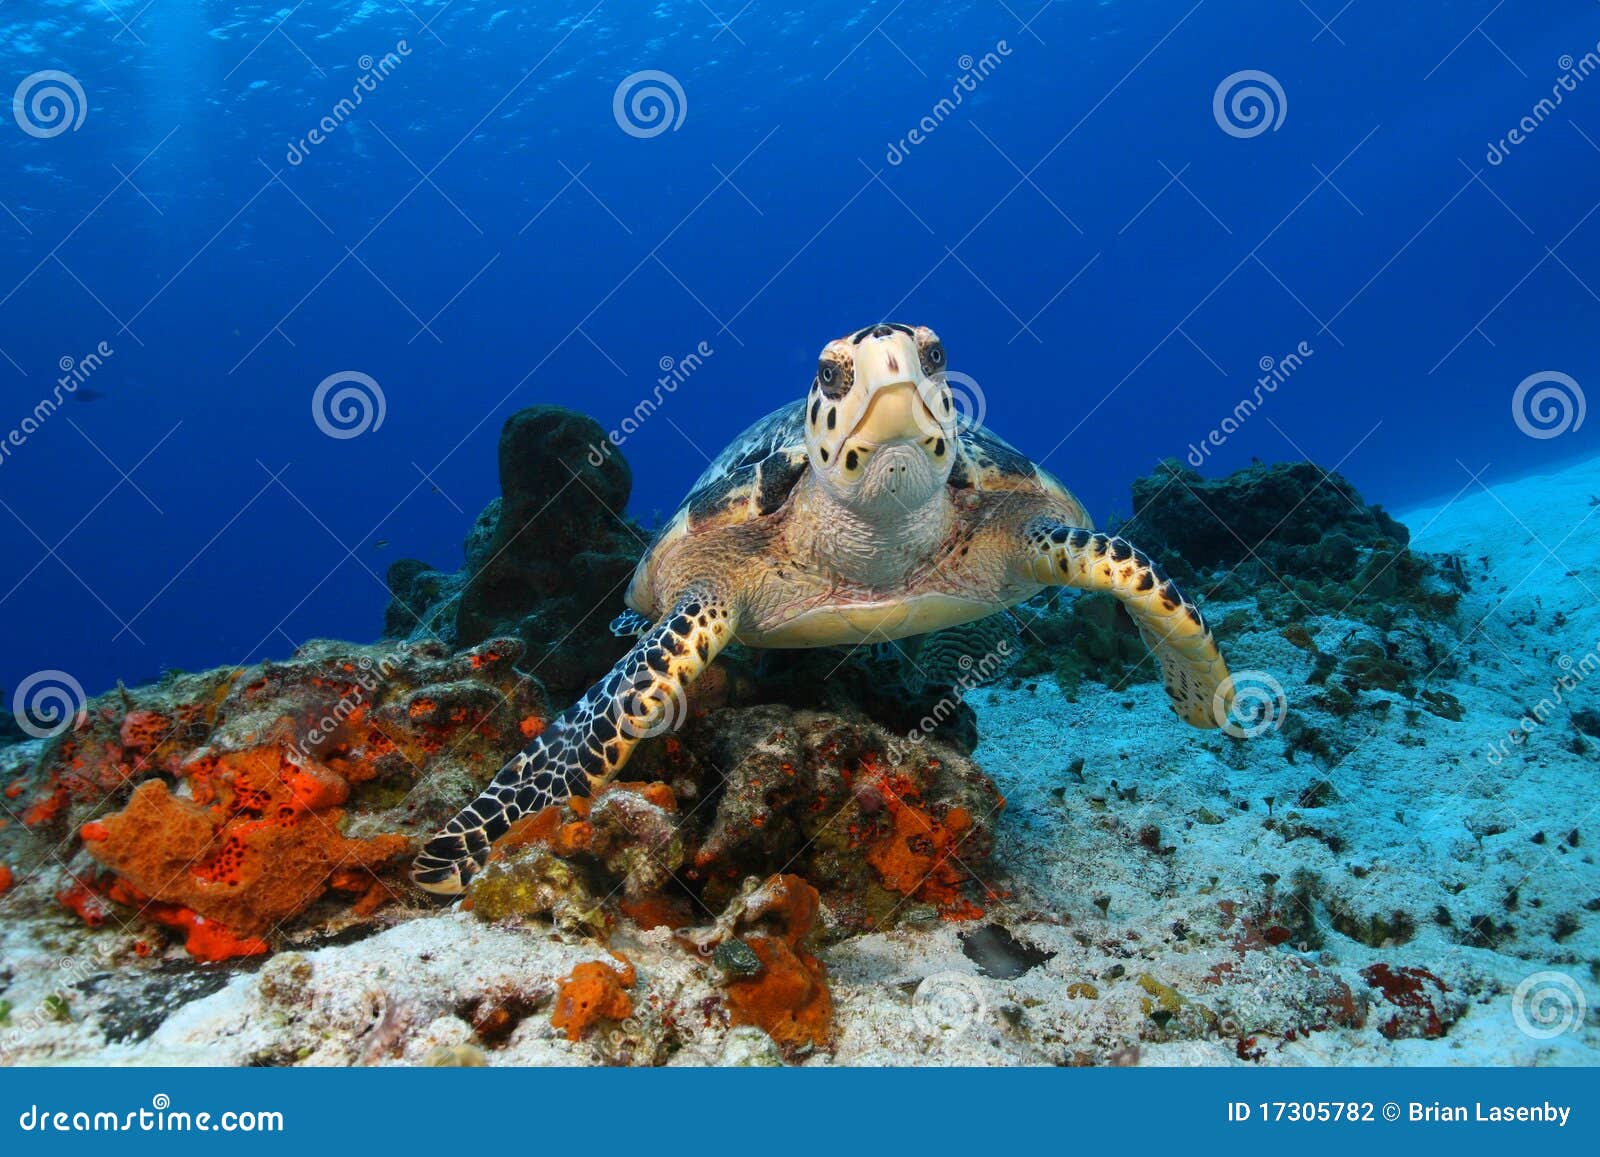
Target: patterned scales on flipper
[(964, 657), (1195, 675), (629, 625), (582, 748), (988, 462)]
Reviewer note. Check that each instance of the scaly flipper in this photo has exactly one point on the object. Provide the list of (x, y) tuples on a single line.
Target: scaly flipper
[(583, 747), (1192, 668)]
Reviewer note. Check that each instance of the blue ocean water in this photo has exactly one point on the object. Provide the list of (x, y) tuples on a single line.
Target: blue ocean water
[(208, 210)]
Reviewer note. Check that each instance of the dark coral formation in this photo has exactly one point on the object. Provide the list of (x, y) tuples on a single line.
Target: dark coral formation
[(1297, 542), (547, 562), (1296, 537)]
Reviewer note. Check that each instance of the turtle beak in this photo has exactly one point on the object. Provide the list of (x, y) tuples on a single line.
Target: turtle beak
[(896, 391)]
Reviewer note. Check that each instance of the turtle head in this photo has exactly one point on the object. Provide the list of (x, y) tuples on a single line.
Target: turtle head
[(880, 421)]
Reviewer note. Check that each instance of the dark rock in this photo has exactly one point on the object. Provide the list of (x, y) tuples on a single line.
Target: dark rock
[(1299, 538), (540, 559), (998, 953)]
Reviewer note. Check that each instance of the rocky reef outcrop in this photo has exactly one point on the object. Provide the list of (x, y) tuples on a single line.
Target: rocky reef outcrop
[(540, 559), (813, 863)]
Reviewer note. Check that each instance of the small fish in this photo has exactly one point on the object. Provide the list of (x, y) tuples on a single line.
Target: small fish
[(381, 544), (85, 394)]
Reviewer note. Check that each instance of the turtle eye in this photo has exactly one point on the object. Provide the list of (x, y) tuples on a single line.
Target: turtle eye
[(829, 378), (933, 356)]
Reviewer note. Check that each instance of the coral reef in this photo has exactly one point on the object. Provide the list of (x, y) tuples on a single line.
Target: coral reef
[(1297, 538), (814, 868), (227, 803)]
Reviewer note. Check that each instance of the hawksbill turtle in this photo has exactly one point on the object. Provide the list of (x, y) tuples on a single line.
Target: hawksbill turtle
[(866, 511)]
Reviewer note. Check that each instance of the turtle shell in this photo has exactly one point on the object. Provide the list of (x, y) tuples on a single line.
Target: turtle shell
[(754, 476), (988, 462)]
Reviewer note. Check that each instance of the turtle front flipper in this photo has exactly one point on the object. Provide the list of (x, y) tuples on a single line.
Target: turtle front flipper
[(584, 746), (1192, 668)]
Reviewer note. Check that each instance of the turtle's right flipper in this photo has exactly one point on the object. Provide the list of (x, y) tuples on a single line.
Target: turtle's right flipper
[(1192, 668), (630, 624), (584, 746)]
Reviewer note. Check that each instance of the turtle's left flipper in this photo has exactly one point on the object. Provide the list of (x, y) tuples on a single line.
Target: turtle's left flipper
[(587, 744), (1192, 668)]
